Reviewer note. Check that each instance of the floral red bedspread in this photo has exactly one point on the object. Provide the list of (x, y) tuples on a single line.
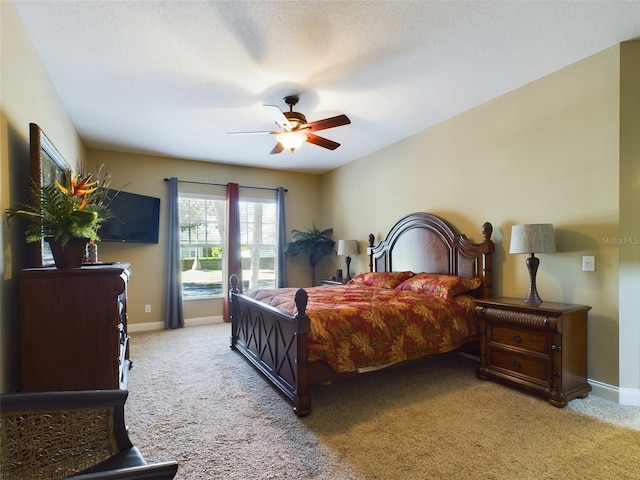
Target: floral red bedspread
[(355, 326)]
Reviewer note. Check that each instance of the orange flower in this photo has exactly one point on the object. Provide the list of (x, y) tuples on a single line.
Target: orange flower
[(78, 188)]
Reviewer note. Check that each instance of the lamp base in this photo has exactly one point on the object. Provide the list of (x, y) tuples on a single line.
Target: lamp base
[(533, 298), (348, 260), (532, 295)]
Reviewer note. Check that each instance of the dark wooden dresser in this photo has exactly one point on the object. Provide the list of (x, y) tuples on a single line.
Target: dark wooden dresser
[(73, 328), (540, 348)]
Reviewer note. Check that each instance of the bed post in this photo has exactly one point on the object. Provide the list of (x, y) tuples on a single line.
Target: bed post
[(372, 239), (301, 397), (233, 280), (486, 259)]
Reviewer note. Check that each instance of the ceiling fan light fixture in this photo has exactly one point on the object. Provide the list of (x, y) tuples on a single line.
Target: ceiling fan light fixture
[(292, 140), (294, 130)]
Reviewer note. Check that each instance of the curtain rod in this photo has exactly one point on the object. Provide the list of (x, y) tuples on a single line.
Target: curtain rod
[(224, 185)]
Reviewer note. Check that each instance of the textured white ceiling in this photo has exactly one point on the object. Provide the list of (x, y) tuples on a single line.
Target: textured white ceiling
[(173, 77)]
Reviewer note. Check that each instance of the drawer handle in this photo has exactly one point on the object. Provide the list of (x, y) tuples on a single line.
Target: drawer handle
[(517, 339), (517, 365)]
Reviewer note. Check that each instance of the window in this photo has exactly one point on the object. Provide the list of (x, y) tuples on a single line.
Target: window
[(202, 233), (258, 243)]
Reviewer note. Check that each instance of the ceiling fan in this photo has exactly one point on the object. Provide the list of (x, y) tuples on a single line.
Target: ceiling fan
[(295, 130)]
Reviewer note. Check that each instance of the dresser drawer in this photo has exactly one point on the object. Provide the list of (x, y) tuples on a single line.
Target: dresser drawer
[(531, 340), (522, 365)]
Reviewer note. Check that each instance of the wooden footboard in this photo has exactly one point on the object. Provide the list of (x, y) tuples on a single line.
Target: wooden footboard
[(274, 342)]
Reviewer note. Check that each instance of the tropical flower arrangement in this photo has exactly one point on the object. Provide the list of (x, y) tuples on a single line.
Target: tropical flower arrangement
[(62, 212)]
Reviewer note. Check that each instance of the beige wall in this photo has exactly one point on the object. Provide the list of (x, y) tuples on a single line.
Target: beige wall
[(547, 152), (629, 245), (26, 95), (145, 175)]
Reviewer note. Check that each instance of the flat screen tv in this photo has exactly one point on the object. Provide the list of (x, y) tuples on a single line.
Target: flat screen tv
[(136, 219)]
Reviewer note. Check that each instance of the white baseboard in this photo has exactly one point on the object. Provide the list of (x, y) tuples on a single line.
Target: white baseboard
[(144, 327), (188, 322), (630, 396), (623, 396)]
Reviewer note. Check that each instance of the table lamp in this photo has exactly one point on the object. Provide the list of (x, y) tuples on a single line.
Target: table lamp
[(348, 247), (532, 238)]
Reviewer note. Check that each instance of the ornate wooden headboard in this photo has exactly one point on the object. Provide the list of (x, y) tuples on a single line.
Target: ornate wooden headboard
[(422, 242)]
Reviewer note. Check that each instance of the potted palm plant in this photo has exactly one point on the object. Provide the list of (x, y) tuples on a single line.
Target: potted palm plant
[(314, 243), (67, 216)]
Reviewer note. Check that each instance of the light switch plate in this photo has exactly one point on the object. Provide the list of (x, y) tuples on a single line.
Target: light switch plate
[(588, 263)]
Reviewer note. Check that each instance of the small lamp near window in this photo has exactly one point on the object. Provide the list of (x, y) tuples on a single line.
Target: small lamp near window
[(532, 238), (348, 247)]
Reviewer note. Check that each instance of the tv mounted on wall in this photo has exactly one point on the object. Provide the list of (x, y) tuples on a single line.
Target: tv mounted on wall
[(136, 219)]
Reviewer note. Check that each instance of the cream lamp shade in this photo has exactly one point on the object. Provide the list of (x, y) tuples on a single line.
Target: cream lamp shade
[(348, 248), (531, 239)]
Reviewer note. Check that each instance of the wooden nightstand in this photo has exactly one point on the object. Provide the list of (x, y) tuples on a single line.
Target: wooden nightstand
[(539, 348)]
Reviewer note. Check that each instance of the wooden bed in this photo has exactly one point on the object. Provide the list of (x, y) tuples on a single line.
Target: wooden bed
[(276, 343)]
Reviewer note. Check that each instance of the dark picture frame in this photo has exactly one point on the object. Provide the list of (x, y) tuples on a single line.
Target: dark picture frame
[(46, 166)]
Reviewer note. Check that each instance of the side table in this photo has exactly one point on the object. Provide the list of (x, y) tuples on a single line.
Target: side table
[(541, 348)]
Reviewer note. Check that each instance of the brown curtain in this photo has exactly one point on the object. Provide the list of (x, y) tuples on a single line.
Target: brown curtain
[(232, 260)]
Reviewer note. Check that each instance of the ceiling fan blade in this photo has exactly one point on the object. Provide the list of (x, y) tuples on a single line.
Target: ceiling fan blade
[(331, 122), (262, 132), (278, 116), (322, 142), (277, 149)]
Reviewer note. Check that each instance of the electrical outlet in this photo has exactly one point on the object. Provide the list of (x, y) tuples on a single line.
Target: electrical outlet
[(147, 309), (588, 263)]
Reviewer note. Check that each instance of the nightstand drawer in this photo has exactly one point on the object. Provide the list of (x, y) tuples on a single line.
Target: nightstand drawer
[(532, 340), (522, 365)]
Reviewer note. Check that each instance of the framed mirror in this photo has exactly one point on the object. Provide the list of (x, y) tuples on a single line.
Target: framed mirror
[(46, 166)]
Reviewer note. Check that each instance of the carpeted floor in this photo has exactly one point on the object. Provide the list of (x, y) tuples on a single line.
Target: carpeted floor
[(194, 400)]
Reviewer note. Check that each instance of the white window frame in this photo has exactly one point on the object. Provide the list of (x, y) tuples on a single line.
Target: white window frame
[(252, 278)]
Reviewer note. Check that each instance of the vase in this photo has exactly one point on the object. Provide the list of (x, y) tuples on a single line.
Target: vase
[(69, 256), (92, 252)]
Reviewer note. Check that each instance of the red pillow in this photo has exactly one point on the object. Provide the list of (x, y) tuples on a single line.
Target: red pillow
[(381, 279), (439, 285)]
